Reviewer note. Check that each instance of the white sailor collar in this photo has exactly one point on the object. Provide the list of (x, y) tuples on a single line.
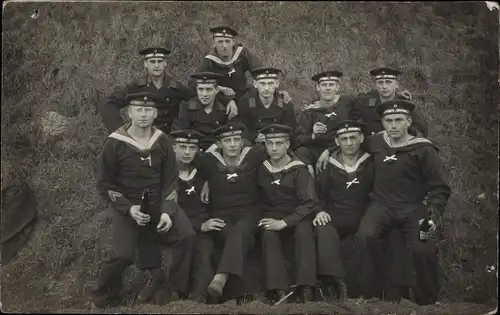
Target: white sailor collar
[(292, 164), (219, 157), (333, 159), (412, 141), (190, 176), (122, 135), (215, 57)]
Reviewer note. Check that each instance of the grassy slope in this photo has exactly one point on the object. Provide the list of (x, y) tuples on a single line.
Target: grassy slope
[(73, 55)]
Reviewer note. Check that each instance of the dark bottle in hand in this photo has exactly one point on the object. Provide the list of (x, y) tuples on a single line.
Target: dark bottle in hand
[(145, 202), (425, 227)]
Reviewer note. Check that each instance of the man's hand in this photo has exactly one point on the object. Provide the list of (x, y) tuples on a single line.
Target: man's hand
[(286, 97), (319, 128), (405, 93), (260, 138), (227, 91), (165, 223), (322, 161), (214, 224), (205, 193), (322, 218), (313, 105), (138, 216), (231, 109), (272, 224)]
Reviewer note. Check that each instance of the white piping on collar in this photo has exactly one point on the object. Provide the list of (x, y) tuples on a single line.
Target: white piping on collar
[(336, 163), (191, 175), (291, 164), (230, 62), (219, 157), (407, 143), (120, 137)]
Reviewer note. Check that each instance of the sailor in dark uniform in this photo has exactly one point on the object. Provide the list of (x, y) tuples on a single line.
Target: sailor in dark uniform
[(231, 172), (314, 132), (136, 157), (190, 183), (289, 201), (203, 113), (170, 93), (343, 188), (386, 86), (267, 107), (407, 172), (233, 62)]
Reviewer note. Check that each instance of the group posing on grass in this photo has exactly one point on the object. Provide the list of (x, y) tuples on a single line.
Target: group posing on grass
[(217, 167)]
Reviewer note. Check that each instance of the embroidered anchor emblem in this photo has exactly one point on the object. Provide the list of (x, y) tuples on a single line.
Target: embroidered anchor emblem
[(276, 182), (231, 176), (190, 191), (390, 158), (147, 159), (349, 184), (231, 72)]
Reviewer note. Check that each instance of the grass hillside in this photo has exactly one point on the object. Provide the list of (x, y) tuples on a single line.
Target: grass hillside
[(72, 55)]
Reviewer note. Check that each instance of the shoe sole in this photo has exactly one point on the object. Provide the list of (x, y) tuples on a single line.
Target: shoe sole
[(214, 292)]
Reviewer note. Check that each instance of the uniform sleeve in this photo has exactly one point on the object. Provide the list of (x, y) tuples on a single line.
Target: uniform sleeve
[(355, 113), (323, 186), (182, 121), (170, 175), (198, 220), (259, 153), (110, 108), (303, 134), (201, 162), (106, 179), (438, 189), (289, 115), (306, 195), (244, 115)]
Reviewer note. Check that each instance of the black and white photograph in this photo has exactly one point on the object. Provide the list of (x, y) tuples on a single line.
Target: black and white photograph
[(250, 157)]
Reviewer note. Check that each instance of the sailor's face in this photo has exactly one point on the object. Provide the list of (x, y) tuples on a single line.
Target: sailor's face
[(155, 66), (231, 146), (266, 87), (349, 142), (185, 152), (396, 125), (142, 116), (386, 87), (277, 147), (224, 46), (327, 89), (206, 92)]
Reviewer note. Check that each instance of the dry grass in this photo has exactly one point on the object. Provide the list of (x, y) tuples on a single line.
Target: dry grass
[(72, 55)]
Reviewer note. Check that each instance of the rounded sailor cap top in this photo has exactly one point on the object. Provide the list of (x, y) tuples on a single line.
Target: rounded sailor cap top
[(223, 31), (187, 136), (207, 77), (265, 73), (146, 99), (384, 73), (276, 131), (232, 128), (395, 107), (346, 126), (154, 52), (330, 75)]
